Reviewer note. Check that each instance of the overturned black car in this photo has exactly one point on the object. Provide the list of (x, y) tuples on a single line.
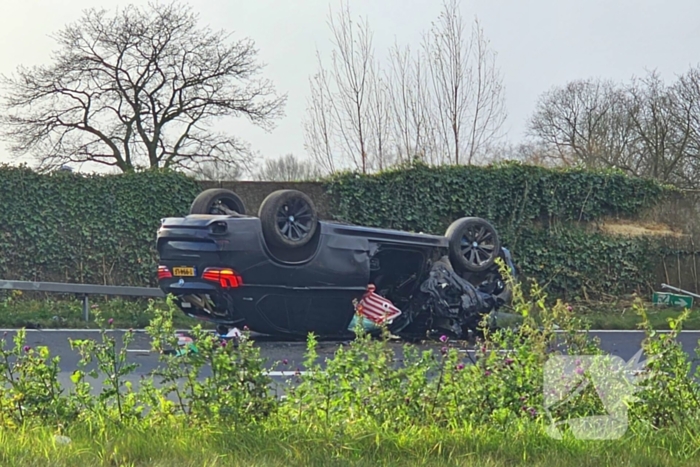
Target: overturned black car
[(285, 272)]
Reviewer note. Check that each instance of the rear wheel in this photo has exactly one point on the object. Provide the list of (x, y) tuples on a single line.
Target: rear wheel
[(217, 201), (473, 244), (288, 218)]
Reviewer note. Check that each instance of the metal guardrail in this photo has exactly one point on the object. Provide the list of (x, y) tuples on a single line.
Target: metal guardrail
[(84, 290)]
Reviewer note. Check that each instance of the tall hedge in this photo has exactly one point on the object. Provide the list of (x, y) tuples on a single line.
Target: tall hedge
[(101, 229), (69, 227), (537, 211)]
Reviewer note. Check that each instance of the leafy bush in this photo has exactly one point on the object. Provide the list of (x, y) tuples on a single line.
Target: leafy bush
[(424, 198), (536, 210), (372, 402), (69, 227), (368, 385), (575, 264), (100, 229)]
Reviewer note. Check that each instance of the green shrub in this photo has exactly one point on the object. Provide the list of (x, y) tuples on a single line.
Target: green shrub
[(68, 227), (369, 388), (512, 195), (366, 384), (576, 264), (537, 212)]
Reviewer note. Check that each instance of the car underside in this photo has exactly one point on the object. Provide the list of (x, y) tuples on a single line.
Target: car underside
[(285, 272)]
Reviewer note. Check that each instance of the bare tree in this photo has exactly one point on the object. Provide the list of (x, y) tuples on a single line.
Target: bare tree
[(352, 62), (140, 87), (337, 128), (412, 129), (645, 127), (288, 169), (217, 171), (379, 122), (685, 94), (401, 100), (442, 100), (468, 93), (586, 121), (348, 123), (442, 104), (319, 126), (660, 126)]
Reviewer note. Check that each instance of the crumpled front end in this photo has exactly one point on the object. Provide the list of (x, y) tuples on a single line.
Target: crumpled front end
[(455, 305), (446, 303)]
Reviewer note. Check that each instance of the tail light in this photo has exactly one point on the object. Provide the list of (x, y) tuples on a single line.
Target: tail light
[(218, 228), (164, 273), (227, 278)]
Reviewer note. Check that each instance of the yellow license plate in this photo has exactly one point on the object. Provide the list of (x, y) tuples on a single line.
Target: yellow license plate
[(183, 271)]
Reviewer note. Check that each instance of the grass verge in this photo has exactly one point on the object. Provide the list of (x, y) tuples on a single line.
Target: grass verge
[(17, 311), (173, 445), (622, 315)]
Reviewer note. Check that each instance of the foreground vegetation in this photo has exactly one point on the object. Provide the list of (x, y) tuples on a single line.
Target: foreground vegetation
[(368, 405), (182, 445)]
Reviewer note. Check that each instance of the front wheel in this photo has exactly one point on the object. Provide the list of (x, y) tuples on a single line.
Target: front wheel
[(473, 244)]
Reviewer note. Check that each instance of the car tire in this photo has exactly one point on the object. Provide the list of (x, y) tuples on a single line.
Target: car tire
[(208, 202), (288, 218), (473, 244)]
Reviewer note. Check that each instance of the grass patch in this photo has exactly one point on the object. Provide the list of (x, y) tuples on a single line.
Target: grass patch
[(617, 316), (18, 311), (276, 445), (621, 315)]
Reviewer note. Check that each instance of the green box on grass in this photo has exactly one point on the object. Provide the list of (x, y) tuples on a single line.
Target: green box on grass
[(672, 299)]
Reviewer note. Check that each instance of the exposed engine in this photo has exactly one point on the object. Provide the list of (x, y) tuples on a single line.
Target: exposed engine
[(454, 304)]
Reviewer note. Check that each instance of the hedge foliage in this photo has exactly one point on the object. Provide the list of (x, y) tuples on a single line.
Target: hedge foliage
[(69, 227), (536, 210), (101, 229)]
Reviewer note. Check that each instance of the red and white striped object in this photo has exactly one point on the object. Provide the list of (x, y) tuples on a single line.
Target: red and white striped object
[(375, 307)]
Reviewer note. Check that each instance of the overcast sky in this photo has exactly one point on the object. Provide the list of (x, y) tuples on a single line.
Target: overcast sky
[(540, 43)]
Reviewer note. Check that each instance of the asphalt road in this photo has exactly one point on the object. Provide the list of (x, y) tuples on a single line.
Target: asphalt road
[(622, 343)]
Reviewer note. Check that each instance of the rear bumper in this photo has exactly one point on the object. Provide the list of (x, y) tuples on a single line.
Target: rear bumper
[(184, 287), (188, 287), (268, 309)]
